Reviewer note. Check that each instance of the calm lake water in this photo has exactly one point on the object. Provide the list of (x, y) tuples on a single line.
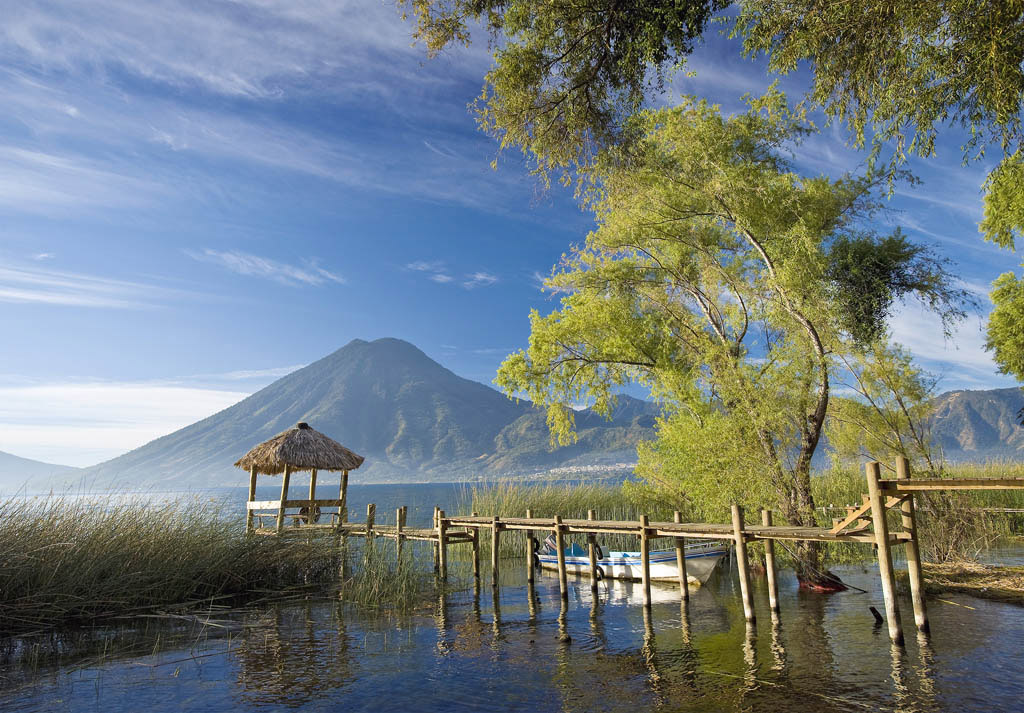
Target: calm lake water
[(470, 651)]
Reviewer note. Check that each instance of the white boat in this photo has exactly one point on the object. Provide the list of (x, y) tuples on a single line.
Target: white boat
[(701, 558)]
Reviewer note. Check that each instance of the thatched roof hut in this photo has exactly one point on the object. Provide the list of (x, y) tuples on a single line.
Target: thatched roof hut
[(299, 448)]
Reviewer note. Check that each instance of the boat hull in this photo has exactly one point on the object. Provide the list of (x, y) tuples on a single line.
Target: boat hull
[(701, 560)]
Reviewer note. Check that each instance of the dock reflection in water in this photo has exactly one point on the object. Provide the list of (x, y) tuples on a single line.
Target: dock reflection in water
[(527, 651)]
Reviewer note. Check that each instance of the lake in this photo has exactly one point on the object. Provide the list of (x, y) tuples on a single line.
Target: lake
[(469, 651)]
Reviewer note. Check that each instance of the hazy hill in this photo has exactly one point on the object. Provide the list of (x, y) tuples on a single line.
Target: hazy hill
[(16, 471), (388, 401), (979, 425)]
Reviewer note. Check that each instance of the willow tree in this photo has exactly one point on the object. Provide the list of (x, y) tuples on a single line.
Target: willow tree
[(712, 279)]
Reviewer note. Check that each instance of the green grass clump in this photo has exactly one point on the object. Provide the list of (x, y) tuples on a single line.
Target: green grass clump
[(380, 581), (69, 561)]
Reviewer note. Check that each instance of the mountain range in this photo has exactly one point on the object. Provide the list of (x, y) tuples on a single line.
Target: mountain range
[(415, 420)]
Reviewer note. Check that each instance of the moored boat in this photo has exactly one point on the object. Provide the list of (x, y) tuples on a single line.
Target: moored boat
[(701, 559)]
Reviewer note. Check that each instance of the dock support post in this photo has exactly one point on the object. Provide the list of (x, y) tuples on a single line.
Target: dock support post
[(645, 559), (741, 562), (399, 526), (437, 558), (476, 553), (252, 496), (684, 589), (592, 554), (913, 550), (495, 543), (769, 565), (312, 490), (563, 579), (442, 545), (892, 607), (284, 496), (371, 515), (529, 550)]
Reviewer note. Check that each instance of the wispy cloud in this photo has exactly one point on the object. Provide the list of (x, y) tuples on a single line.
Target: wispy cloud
[(43, 256), (479, 279), (310, 273), (436, 270), (71, 289), (83, 423)]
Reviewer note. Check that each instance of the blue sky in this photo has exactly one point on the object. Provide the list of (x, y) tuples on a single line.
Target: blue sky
[(197, 198)]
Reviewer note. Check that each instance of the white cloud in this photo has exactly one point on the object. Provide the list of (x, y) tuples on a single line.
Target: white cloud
[(479, 279), (43, 256), (34, 285), (426, 266), (441, 278), (253, 265), (85, 423)]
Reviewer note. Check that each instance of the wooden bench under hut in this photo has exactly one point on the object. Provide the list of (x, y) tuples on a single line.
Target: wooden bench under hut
[(297, 449)]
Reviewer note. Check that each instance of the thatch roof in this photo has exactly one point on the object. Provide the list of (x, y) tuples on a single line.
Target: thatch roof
[(302, 448)]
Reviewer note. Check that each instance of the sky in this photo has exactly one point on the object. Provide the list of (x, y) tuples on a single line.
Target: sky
[(197, 198)]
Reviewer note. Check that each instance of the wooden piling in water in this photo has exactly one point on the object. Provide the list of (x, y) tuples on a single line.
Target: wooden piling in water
[(913, 550), (684, 588), (399, 526), (741, 562), (592, 554), (529, 550), (563, 578), (769, 564), (284, 497), (881, 526), (437, 558), (442, 542), (645, 559), (476, 553), (371, 515), (495, 543), (252, 496)]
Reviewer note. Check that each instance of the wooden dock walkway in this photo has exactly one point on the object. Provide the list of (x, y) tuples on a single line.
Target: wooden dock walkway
[(866, 524)]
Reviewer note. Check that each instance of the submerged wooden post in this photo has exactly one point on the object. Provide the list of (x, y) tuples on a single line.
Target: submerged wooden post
[(592, 554), (495, 533), (284, 496), (684, 588), (476, 552), (645, 559), (433, 543), (769, 564), (741, 562), (529, 550), (563, 579), (442, 542), (892, 607), (252, 497), (912, 550), (399, 526)]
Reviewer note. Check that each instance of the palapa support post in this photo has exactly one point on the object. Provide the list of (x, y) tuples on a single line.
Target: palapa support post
[(476, 552), (645, 559), (284, 497), (741, 562), (892, 607), (529, 550), (912, 550), (495, 535), (252, 497), (684, 588), (312, 490), (592, 554), (343, 508), (442, 548), (769, 564), (563, 579)]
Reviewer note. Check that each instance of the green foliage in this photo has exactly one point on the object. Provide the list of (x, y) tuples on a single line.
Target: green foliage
[(1006, 325), (868, 274), (566, 75)]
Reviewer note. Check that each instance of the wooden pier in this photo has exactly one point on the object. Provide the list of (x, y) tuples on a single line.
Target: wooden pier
[(866, 524)]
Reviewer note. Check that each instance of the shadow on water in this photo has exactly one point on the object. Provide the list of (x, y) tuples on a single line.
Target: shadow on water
[(521, 647)]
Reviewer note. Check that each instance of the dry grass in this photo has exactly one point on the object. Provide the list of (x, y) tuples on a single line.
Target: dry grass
[(987, 581)]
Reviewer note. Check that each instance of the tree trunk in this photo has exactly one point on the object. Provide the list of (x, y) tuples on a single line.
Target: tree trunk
[(810, 570)]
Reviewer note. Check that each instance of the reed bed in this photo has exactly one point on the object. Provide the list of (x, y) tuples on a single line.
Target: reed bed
[(382, 581), (72, 561)]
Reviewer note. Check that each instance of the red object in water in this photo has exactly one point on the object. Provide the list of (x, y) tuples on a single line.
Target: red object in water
[(828, 583)]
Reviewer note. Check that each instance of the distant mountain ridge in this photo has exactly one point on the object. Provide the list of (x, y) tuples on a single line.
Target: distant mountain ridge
[(17, 472), (979, 425), (388, 401)]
